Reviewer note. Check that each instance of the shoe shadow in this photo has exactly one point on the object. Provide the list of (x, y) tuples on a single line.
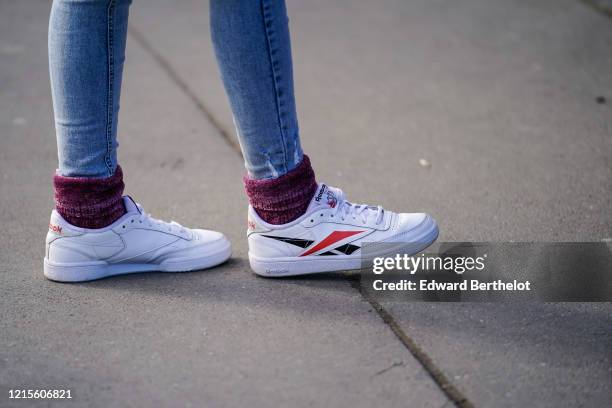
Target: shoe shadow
[(234, 283)]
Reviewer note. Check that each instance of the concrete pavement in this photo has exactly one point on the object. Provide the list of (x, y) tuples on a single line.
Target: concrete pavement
[(500, 98)]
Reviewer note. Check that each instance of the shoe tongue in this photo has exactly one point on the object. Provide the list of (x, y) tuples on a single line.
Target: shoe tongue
[(325, 197), (130, 205)]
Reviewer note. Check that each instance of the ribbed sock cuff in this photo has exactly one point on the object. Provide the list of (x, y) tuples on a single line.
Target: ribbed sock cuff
[(284, 199), (90, 202)]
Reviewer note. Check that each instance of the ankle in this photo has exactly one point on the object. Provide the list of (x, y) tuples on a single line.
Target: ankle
[(284, 199), (90, 202)]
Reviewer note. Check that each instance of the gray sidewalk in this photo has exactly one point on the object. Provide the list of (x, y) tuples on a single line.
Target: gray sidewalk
[(500, 98)]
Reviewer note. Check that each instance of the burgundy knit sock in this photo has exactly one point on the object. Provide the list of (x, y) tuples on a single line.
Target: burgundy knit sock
[(284, 199), (90, 202)]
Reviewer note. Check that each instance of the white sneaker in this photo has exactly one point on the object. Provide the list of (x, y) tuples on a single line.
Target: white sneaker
[(136, 242), (329, 236)]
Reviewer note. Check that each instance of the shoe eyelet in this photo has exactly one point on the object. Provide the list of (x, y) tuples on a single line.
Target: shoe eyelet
[(311, 220), (123, 226)]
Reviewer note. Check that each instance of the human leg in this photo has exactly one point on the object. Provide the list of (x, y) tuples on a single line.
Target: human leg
[(94, 231)]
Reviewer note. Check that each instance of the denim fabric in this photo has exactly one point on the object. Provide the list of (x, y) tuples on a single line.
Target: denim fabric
[(251, 40), (86, 54), (253, 49)]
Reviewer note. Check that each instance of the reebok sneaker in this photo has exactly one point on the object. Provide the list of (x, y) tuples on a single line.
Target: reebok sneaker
[(330, 235), (136, 242)]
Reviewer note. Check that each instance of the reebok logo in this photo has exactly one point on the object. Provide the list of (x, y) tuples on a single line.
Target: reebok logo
[(320, 193), (329, 196), (250, 225), (55, 228), (331, 239), (331, 199)]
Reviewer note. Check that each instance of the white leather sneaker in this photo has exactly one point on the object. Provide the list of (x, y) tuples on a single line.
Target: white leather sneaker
[(330, 235), (136, 242)]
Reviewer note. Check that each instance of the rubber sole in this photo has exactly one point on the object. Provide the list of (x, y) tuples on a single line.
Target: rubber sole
[(294, 266), (88, 271)]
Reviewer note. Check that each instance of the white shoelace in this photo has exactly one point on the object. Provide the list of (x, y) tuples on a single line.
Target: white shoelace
[(346, 209), (172, 226)]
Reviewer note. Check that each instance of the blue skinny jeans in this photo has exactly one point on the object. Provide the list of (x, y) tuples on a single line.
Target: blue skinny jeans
[(253, 50)]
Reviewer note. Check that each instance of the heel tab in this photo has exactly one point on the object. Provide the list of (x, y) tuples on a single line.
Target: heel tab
[(57, 224), (254, 222), (60, 227)]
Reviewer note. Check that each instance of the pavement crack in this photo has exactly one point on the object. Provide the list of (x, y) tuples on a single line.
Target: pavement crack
[(175, 77), (603, 7), (455, 396), (384, 370)]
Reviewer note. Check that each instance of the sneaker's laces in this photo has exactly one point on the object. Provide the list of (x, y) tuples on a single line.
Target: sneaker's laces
[(348, 209), (146, 218)]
